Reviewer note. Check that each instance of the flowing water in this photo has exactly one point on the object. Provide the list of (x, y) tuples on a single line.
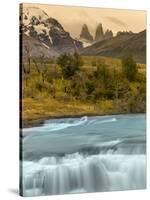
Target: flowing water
[(87, 154)]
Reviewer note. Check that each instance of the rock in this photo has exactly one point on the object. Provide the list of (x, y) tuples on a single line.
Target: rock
[(99, 34), (108, 34), (85, 34), (48, 31), (31, 47), (124, 33), (123, 44)]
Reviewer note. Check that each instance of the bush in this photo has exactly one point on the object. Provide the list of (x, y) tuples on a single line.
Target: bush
[(39, 86), (129, 68), (69, 64), (102, 73), (78, 87)]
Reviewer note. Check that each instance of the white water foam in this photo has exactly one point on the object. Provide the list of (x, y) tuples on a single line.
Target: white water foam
[(76, 172), (109, 143), (49, 126), (108, 156), (102, 121), (56, 126), (107, 120)]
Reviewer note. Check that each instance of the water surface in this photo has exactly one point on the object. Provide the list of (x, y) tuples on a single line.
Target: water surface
[(88, 154)]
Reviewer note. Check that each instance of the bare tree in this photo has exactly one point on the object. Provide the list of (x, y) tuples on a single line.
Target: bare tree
[(41, 67), (27, 49), (27, 66), (37, 66)]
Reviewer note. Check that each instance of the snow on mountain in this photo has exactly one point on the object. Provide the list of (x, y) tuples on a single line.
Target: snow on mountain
[(35, 25), (85, 42), (38, 25), (30, 12)]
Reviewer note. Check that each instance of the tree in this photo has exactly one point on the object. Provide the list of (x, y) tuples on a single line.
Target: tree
[(77, 60), (27, 66), (78, 85), (41, 67), (69, 64), (102, 73), (129, 68)]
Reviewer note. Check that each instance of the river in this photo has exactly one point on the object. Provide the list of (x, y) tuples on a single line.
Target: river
[(87, 154)]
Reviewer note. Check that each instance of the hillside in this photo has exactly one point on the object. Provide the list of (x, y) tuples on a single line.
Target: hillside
[(35, 48), (119, 46), (45, 34)]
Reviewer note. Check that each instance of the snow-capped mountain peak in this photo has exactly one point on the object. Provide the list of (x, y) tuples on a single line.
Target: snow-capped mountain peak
[(31, 14), (36, 24)]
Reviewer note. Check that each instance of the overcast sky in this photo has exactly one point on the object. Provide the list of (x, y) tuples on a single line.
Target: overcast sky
[(72, 18)]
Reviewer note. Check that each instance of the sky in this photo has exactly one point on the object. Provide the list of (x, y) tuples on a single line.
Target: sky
[(72, 18)]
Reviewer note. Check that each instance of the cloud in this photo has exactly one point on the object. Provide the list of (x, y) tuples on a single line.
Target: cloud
[(117, 21)]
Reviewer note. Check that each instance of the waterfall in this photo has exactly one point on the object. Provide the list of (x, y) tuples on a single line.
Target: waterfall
[(78, 173), (87, 154)]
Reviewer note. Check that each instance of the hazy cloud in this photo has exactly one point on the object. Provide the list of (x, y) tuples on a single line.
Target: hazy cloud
[(117, 21), (72, 18)]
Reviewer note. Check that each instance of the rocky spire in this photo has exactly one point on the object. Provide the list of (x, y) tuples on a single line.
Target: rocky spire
[(99, 34), (108, 34), (85, 34)]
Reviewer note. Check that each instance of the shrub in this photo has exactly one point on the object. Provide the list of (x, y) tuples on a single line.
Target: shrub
[(39, 86), (102, 73), (69, 64), (129, 68)]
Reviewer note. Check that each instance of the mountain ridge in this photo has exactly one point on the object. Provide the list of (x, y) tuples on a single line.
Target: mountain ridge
[(44, 35), (36, 24), (122, 44)]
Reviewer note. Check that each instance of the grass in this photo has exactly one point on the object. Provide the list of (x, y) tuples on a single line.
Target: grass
[(49, 107), (38, 105)]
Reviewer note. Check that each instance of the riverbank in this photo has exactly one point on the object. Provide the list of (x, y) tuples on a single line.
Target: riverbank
[(39, 122), (34, 112), (88, 92)]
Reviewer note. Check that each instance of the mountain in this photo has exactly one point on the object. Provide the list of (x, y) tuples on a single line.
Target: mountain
[(47, 32), (85, 34), (124, 33), (108, 34), (33, 48), (99, 34), (87, 39), (122, 44)]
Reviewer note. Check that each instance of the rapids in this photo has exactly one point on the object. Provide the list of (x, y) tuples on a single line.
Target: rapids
[(88, 154)]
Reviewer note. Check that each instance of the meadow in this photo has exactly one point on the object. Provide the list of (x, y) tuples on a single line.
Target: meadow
[(96, 86)]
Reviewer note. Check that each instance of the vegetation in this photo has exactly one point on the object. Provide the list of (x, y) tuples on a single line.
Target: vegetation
[(129, 68), (69, 64), (73, 85)]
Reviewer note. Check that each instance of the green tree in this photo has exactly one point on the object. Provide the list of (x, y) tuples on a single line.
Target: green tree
[(102, 73), (78, 86), (69, 64), (77, 60), (129, 67)]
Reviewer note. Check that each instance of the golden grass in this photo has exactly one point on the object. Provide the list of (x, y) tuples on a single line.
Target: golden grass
[(43, 106), (49, 107)]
